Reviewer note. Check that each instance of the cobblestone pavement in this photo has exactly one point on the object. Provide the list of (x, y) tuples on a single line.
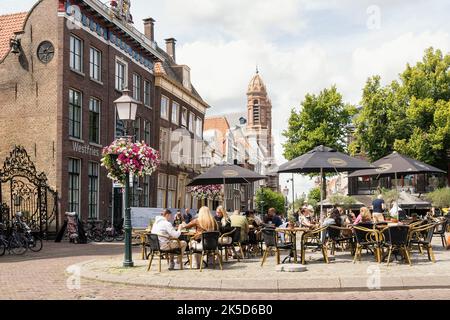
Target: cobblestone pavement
[(43, 276)]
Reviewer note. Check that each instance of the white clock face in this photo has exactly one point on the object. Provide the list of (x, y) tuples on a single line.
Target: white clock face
[(45, 51)]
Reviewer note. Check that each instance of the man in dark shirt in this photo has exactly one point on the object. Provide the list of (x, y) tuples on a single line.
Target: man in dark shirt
[(271, 217), (378, 209), (187, 216)]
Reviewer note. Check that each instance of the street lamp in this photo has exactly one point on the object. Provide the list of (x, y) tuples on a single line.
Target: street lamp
[(286, 193), (126, 112), (293, 200)]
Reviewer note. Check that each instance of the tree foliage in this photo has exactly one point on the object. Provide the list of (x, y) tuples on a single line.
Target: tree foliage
[(344, 201), (323, 119), (411, 115), (267, 198)]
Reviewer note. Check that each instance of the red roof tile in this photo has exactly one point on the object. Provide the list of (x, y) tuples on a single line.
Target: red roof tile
[(9, 24)]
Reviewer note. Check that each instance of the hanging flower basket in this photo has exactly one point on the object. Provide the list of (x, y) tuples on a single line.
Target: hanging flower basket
[(213, 191), (122, 157)]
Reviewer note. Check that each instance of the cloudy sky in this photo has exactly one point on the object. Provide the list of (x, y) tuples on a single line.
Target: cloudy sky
[(300, 46)]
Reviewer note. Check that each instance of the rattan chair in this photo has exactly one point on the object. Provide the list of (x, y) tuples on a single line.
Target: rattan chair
[(313, 239), (270, 238), (396, 238), (422, 237), (210, 246), (336, 237), (237, 242), (440, 230), (155, 249), (366, 239), (226, 246)]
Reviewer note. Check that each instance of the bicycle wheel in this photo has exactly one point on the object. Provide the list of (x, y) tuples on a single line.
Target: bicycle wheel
[(120, 236), (98, 237), (108, 236), (18, 245), (35, 243)]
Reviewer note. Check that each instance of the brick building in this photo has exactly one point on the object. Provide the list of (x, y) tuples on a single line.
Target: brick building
[(73, 59)]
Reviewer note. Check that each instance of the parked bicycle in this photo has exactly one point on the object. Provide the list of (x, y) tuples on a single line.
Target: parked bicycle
[(93, 231), (114, 232), (34, 241), (12, 241)]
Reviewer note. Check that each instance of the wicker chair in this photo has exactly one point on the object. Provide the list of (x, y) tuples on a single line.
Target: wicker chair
[(210, 246), (313, 239), (422, 237), (440, 230), (337, 237), (226, 246), (270, 238), (367, 239), (153, 244), (396, 238)]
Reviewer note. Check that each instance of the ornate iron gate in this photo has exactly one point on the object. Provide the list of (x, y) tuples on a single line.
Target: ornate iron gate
[(23, 189)]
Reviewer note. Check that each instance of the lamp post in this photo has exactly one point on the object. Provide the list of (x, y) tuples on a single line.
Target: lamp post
[(126, 112), (286, 193), (293, 199)]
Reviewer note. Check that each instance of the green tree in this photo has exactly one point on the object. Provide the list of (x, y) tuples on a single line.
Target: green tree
[(267, 198), (411, 115), (314, 196), (323, 119)]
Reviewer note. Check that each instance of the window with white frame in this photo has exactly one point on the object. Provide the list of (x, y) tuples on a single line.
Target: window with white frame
[(136, 87), (93, 173), (76, 54), (164, 144), (191, 122), (94, 120), (95, 64), (184, 116), (172, 190), (75, 102), (175, 110), (121, 75), (74, 185), (164, 107), (147, 93), (199, 127), (161, 190)]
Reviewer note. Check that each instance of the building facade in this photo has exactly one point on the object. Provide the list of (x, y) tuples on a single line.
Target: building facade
[(62, 65), (245, 138)]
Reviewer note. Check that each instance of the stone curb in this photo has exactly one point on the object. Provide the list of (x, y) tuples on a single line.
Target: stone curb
[(329, 284)]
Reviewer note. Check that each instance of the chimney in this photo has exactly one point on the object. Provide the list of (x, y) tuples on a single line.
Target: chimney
[(149, 28), (170, 47)]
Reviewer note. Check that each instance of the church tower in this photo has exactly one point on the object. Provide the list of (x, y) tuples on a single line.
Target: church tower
[(259, 108)]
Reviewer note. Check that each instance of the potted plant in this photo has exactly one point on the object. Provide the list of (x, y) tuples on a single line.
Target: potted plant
[(123, 156)]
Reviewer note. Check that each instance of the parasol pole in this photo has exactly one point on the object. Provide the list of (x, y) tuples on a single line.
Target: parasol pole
[(224, 196), (321, 192)]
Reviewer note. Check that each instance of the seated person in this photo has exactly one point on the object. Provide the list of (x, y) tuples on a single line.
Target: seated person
[(364, 217), (203, 223), (237, 220), (163, 227), (333, 218), (305, 218), (272, 218), (178, 219), (224, 224)]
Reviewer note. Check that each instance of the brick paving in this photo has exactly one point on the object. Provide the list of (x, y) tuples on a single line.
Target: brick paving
[(43, 276)]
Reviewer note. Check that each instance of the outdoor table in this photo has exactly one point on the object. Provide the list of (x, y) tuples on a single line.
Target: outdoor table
[(293, 233)]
